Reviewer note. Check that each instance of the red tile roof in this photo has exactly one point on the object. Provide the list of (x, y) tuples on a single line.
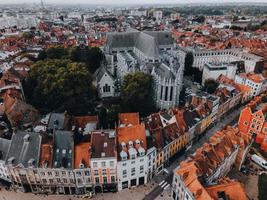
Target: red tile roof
[(82, 155)]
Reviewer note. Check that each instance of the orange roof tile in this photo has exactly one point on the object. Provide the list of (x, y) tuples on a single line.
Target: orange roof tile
[(129, 118), (46, 155), (132, 133), (232, 189), (82, 155)]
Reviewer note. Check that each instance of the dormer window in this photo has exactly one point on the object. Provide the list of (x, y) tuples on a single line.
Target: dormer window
[(81, 166), (26, 138), (123, 155), (130, 144)]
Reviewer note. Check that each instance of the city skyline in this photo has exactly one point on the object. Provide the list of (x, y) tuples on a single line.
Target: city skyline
[(109, 2)]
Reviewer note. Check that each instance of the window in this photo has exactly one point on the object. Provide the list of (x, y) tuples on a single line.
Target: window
[(111, 163), (124, 172), (104, 172), (161, 92), (166, 93), (96, 172), (87, 173), (65, 180), (171, 93), (106, 88), (141, 169), (94, 164), (133, 171), (49, 173), (103, 164), (124, 164)]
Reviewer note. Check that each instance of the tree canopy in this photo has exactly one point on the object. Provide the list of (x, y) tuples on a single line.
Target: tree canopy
[(59, 85), (210, 86), (91, 57), (137, 93), (190, 70)]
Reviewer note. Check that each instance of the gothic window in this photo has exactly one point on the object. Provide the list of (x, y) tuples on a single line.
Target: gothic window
[(171, 93), (166, 93), (161, 92), (106, 88)]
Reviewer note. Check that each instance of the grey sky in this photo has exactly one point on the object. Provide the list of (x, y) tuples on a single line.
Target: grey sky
[(127, 1)]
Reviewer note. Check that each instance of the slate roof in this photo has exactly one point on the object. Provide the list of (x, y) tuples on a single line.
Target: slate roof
[(63, 149), (4, 147), (24, 149), (100, 73), (57, 121), (147, 42)]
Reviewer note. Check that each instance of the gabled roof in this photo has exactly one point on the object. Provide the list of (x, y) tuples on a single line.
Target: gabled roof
[(57, 121), (63, 149), (136, 135), (82, 155), (101, 71), (4, 147), (24, 149), (129, 118), (103, 144)]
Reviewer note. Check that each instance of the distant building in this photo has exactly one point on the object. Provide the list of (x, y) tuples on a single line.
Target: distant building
[(158, 14), (252, 62), (213, 71), (254, 124), (153, 53), (254, 81), (138, 12)]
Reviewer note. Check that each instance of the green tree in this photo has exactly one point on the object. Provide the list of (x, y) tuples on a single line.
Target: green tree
[(210, 86), (59, 85), (92, 57), (57, 52), (137, 93), (189, 60)]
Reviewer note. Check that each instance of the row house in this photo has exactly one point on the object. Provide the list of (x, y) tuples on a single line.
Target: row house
[(197, 177), (254, 81), (55, 171), (229, 98), (23, 154), (137, 159), (82, 170), (168, 136), (103, 160), (244, 89), (254, 124), (132, 159)]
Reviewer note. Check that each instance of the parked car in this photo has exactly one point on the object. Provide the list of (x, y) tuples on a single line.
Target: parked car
[(259, 160)]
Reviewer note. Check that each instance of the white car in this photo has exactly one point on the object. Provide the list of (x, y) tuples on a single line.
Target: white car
[(259, 160)]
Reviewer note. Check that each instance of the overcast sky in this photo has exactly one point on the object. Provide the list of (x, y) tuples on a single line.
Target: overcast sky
[(127, 1)]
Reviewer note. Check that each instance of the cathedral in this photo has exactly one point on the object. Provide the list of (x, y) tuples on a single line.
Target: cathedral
[(152, 52)]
